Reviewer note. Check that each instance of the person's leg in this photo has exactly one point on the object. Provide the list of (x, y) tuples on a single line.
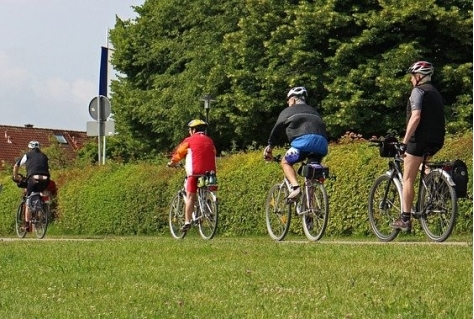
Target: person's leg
[(190, 200), (31, 183), (292, 156), (411, 165), (289, 172), (191, 194)]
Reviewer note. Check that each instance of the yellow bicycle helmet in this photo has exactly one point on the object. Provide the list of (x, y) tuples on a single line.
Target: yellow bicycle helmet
[(196, 123)]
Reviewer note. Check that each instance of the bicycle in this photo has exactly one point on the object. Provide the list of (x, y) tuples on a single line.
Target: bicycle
[(436, 205), (205, 214), (38, 203), (312, 206)]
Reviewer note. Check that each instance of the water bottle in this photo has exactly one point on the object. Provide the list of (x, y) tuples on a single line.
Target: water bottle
[(201, 181), (212, 178)]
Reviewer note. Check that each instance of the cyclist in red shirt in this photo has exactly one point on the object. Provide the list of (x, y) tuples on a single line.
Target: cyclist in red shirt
[(200, 153)]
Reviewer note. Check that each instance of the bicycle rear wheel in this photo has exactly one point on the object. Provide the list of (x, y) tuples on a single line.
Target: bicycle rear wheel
[(177, 214), (40, 223), (21, 227), (315, 210), (438, 206), (278, 212), (385, 206), (208, 220)]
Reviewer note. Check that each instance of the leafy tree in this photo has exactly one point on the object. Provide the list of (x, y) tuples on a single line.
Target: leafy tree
[(351, 55), (368, 91)]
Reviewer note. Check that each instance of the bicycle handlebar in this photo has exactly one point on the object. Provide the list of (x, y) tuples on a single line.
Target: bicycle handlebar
[(397, 145), (178, 165)]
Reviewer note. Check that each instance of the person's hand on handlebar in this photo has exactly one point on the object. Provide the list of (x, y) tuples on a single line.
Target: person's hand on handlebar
[(174, 165), (18, 178), (267, 153), (402, 147)]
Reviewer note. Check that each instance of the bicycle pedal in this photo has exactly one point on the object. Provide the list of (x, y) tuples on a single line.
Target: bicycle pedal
[(417, 215)]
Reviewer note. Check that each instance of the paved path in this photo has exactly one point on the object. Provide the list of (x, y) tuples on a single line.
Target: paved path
[(302, 241)]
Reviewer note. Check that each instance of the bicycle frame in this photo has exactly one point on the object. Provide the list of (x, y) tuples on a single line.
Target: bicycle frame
[(435, 202), (205, 214), (312, 205)]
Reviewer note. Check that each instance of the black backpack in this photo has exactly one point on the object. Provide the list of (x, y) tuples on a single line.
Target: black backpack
[(460, 177)]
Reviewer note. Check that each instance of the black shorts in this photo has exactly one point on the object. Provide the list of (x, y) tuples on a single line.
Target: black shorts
[(36, 186), (420, 148)]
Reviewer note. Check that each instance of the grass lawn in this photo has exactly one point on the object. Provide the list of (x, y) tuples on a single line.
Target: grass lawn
[(159, 277)]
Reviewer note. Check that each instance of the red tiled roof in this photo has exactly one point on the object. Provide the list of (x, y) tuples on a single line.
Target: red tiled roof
[(14, 140)]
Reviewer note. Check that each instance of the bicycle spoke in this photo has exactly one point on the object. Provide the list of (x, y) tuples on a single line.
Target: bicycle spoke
[(277, 212), (176, 216), (40, 222), (208, 221), (21, 227), (385, 206), (438, 205), (315, 211)]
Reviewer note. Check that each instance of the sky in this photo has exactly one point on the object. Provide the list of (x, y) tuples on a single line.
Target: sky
[(50, 59)]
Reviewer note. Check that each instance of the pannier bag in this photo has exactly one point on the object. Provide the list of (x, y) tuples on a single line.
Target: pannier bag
[(314, 171), (460, 177)]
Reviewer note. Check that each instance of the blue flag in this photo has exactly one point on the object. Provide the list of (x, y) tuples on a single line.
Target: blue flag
[(104, 71)]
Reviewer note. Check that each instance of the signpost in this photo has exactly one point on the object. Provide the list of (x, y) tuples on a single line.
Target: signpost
[(207, 99), (99, 110)]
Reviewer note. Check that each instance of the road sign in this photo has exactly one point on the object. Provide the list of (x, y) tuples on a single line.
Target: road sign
[(93, 128), (104, 111)]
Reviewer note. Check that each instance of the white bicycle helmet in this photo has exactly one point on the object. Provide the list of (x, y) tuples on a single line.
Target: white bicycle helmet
[(34, 144), (299, 91), (422, 67)]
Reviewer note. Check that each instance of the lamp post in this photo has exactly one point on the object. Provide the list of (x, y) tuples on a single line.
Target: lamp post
[(207, 105)]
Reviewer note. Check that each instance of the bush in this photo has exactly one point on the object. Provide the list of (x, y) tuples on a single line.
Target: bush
[(130, 199)]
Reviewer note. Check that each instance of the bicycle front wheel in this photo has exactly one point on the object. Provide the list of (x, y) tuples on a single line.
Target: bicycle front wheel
[(40, 223), (438, 206), (278, 212), (315, 208), (176, 216), (21, 227), (385, 206), (208, 220)]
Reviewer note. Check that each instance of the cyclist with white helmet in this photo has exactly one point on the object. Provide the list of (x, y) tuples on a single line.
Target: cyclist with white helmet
[(37, 172), (200, 153), (425, 130), (305, 130)]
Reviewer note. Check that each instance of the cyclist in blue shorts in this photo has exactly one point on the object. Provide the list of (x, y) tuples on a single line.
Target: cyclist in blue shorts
[(305, 130)]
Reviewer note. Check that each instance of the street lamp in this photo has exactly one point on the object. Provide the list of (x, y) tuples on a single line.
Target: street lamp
[(207, 105)]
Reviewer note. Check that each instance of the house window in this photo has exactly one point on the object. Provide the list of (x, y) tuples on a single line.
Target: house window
[(61, 139)]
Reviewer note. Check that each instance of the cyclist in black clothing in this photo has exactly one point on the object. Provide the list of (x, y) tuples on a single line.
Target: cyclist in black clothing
[(425, 130), (37, 172), (305, 130)]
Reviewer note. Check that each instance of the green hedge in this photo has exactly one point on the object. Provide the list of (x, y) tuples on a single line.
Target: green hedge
[(129, 199)]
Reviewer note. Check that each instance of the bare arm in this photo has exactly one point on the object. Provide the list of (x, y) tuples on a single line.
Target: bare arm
[(15, 172), (412, 125)]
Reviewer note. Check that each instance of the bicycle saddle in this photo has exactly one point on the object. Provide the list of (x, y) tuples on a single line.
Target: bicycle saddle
[(314, 158)]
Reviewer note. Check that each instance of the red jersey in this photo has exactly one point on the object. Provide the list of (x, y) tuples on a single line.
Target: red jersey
[(200, 154)]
